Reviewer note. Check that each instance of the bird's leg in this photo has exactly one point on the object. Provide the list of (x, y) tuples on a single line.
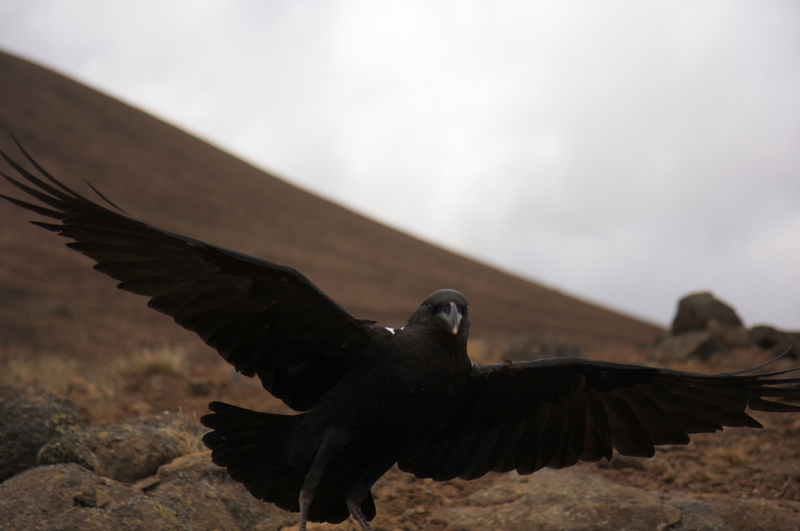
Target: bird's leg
[(305, 501), (335, 439), (357, 494)]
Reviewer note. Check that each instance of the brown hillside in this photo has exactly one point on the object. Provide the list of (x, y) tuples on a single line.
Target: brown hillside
[(167, 177)]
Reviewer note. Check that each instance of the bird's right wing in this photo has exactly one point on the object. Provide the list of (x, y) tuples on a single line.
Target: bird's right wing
[(553, 412), (263, 318)]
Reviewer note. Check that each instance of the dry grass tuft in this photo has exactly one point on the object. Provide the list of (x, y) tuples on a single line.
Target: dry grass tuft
[(163, 360), (734, 457), (100, 390), (48, 372)]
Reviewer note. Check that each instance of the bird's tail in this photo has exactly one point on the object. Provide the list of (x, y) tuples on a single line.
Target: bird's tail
[(254, 446)]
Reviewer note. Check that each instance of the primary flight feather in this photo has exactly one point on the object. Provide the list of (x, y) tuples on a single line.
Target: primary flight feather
[(370, 397)]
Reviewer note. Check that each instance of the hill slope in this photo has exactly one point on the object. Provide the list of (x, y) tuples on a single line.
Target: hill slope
[(52, 302)]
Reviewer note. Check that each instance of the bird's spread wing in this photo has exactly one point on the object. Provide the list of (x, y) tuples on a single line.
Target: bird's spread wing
[(551, 413), (263, 318)]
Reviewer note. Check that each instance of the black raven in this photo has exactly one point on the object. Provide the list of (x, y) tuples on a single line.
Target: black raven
[(370, 397)]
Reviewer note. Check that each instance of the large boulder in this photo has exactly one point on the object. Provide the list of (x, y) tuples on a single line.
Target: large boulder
[(29, 418), (702, 311), (190, 494), (130, 450), (702, 326)]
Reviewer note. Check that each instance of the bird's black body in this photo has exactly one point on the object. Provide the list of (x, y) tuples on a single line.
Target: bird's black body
[(407, 384), (369, 397)]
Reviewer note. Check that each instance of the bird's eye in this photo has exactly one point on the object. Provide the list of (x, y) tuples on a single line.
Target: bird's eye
[(432, 308)]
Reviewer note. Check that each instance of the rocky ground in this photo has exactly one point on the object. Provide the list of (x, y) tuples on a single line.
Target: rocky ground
[(123, 452)]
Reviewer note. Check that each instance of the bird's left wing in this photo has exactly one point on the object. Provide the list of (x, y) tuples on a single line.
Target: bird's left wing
[(551, 413), (263, 318)]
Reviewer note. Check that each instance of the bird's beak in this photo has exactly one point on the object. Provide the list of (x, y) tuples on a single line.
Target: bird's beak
[(450, 318)]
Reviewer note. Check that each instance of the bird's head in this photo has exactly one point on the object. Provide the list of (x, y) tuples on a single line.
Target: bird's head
[(446, 309)]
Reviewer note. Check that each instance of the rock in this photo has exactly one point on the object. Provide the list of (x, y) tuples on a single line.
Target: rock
[(128, 451), (190, 494), (28, 419), (69, 497), (691, 344), (778, 340), (574, 499), (708, 512), (531, 348), (565, 499), (729, 336), (701, 311), (766, 336), (704, 325), (204, 497)]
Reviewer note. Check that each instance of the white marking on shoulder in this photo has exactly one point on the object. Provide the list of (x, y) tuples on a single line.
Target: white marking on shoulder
[(389, 329)]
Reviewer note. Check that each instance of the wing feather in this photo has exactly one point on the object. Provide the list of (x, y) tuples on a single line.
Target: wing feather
[(262, 317), (553, 413)]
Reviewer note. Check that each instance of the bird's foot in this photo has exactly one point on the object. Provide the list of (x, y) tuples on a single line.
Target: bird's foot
[(358, 516)]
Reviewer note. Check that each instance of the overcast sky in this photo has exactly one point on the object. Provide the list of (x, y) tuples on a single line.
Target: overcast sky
[(625, 152)]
